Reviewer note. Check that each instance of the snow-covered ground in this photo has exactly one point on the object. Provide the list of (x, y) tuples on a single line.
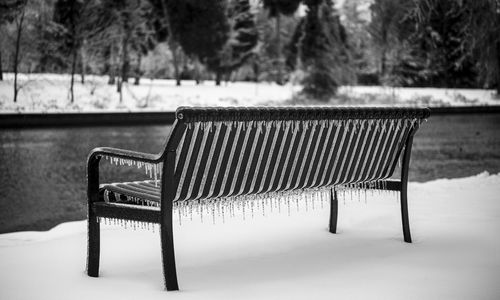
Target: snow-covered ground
[(455, 254), (50, 93)]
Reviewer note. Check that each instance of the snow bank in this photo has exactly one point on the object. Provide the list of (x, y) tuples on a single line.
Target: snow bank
[(433, 97), (50, 93), (455, 254)]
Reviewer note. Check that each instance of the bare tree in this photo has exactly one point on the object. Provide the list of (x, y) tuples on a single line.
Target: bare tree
[(13, 10), (19, 29), (9, 11)]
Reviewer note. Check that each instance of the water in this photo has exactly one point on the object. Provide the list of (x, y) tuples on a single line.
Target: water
[(42, 171)]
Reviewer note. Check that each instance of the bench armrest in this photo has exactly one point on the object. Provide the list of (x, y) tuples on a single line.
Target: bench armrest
[(93, 166), (125, 154)]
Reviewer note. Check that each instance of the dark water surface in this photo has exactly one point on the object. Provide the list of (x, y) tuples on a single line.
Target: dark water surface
[(42, 171)]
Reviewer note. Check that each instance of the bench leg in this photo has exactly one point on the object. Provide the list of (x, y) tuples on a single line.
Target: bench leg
[(334, 206), (404, 215), (93, 246), (168, 256), (404, 188)]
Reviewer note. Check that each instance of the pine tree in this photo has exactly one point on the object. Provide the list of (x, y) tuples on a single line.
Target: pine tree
[(67, 13), (356, 20), (386, 17), (400, 58), (482, 29), (323, 51), (277, 8), (242, 40), (199, 26), (441, 35), (292, 49)]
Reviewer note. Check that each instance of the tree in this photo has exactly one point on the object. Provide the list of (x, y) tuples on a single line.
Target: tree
[(276, 8), (482, 26), (20, 10), (48, 40), (164, 25), (386, 18), (199, 26), (68, 13), (266, 64), (356, 22), (441, 32), (122, 30), (323, 52), (9, 11), (242, 40)]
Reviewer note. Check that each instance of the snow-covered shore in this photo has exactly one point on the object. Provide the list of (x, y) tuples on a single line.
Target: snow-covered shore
[(455, 254), (42, 93)]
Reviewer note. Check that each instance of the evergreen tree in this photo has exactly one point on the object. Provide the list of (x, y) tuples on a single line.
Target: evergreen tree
[(482, 29), (441, 35), (266, 64), (48, 40), (386, 17), (199, 26), (277, 8), (356, 20), (242, 40), (399, 54), (67, 13), (292, 49), (323, 51)]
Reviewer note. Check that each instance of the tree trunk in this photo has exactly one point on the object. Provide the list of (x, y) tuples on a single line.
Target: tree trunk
[(382, 64), (218, 77), (111, 68), (175, 60), (119, 85), (16, 54), (125, 63), (73, 71), (256, 71), (279, 79), (197, 72), (171, 43), (83, 61), (119, 69), (498, 68), (138, 68), (1, 70)]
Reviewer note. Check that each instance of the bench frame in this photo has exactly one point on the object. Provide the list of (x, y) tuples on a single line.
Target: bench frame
[(97, 208)]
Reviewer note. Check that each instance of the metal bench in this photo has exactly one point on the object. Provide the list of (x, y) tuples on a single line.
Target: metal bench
[(233, 153)]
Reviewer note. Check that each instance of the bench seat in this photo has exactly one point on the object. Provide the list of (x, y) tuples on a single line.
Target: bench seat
[(145, 192)]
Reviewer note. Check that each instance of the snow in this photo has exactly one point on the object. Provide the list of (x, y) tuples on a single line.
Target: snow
[(455, 253), (50, 93)]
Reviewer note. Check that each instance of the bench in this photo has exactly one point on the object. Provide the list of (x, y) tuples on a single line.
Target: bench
[(233, 153)]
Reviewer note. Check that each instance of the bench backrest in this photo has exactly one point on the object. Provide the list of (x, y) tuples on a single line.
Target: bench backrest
[(225, 152)]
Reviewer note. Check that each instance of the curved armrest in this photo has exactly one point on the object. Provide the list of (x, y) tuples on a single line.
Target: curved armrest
[(125, 154), (93, 166)]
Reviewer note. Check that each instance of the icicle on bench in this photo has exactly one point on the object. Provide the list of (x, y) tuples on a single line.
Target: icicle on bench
[(240, 154)]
